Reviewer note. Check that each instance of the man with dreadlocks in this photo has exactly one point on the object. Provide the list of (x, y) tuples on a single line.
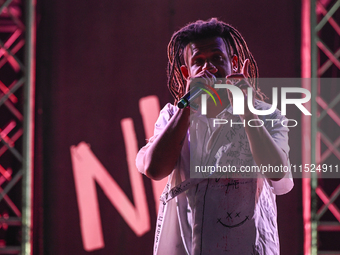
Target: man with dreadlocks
[(215, 215)]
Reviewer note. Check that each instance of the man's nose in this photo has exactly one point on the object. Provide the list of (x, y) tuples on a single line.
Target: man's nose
[(209, 67)]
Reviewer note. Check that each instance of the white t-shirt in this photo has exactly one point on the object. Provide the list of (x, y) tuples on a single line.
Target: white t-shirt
[(219, 215)]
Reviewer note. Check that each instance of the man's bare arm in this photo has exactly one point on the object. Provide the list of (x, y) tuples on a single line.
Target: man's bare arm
[(263, 148), (160, 158)]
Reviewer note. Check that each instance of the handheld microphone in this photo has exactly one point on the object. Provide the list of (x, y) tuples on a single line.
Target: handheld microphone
[(189, 97), (196, 91)]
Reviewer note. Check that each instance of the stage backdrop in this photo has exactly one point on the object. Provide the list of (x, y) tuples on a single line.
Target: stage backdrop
[(101, 81)]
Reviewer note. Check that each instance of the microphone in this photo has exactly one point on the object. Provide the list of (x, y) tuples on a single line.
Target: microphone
[(195, 91), (189, 97)]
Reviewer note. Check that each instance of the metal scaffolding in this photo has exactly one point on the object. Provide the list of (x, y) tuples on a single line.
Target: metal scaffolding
[(17, 72), (320, 139)]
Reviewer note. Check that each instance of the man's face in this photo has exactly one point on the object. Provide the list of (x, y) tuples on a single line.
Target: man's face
[(208, 54)]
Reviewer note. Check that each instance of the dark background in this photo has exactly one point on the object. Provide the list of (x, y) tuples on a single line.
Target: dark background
[(95, 60)]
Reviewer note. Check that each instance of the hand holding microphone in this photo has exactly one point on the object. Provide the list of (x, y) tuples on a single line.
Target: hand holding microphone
[(194, 87)]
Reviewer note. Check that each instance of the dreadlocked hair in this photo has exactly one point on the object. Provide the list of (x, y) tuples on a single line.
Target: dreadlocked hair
[(198, 30)]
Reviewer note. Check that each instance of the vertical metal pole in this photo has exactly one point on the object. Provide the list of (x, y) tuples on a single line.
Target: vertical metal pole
[(314, 80), (306, 122), (28, 136)]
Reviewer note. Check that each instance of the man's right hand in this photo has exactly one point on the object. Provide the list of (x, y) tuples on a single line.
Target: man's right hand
[(205, 77)]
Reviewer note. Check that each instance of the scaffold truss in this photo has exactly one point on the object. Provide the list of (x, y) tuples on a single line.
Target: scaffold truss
[(17, 61), (321, 132)]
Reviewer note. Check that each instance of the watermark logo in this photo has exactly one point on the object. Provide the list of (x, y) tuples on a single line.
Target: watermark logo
[(204, 99), (239, 101)]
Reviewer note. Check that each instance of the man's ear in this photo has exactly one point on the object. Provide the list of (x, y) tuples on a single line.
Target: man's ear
[(185, 71), (234, 64)]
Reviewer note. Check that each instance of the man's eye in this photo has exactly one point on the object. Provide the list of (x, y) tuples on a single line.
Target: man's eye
[(218, 58)]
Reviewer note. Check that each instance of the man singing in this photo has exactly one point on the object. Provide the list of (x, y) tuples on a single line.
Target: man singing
[(226, 214)]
